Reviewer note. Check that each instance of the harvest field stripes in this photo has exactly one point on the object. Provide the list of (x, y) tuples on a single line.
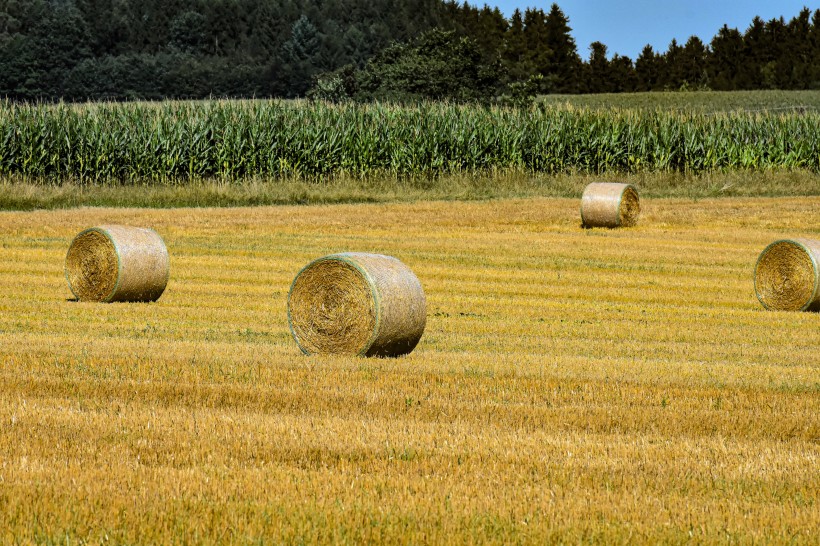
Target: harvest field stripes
[(175, 142), (571, 385)]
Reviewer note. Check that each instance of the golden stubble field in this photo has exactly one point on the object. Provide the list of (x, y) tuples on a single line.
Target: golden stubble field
[(571, 385)]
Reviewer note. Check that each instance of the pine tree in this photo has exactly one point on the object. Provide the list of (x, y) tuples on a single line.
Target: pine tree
[(598, 77), (648, 70), (726, 60), (514, 48), (489, 34), (536, 57), (304, 40), (692, 64), (188, 33), (564, 62), (777, 72), (814, 64), (800, 49), (622, 78), (756, 54), (671, 77)]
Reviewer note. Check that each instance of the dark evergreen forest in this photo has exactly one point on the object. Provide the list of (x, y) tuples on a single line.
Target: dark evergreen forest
[(152, 49)]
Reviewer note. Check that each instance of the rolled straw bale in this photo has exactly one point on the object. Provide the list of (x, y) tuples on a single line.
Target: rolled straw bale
[(117, 263), (356, 303), (609, 204), (787, 275)]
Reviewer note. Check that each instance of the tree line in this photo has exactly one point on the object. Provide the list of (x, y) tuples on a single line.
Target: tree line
[(152, 49)]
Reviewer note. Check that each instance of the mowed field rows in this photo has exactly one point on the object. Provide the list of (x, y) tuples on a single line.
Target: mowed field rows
[(571, 385)]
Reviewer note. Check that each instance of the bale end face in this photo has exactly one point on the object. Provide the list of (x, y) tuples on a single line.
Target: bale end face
[(610, 204), (787, 277), (92, 266), (331, 308), (630, 208), (356, 304)]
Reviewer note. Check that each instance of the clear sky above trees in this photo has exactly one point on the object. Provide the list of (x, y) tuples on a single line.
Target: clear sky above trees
[(626, 26)]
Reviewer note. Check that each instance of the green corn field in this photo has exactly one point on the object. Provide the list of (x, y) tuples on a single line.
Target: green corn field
[(173, 142), (705, 102)]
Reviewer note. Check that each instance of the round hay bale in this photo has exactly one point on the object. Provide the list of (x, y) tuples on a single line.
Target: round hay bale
[(117, 263), (609, 204), (787, 275), (358, 304)]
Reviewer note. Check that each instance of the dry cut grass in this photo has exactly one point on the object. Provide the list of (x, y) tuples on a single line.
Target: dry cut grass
[(572, 385)]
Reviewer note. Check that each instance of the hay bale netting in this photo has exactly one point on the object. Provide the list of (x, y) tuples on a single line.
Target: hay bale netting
[(609, 204), (356, 303), (117, 263), (787, 275)]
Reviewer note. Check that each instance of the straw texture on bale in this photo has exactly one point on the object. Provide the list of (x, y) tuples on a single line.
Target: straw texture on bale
[(787, 275), (117, 263), (358, 304), (609, 204)]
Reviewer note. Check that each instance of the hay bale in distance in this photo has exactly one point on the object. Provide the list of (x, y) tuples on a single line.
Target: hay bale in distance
[(358, 304), (117, 263), (787, 275), (609, 204)]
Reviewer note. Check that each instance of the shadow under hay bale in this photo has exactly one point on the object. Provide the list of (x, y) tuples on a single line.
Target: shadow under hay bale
[(787, 275), (610, 204), (117, 263), (357, 304)]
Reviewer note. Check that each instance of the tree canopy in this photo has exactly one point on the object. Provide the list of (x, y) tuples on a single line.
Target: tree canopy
[(151, 49)]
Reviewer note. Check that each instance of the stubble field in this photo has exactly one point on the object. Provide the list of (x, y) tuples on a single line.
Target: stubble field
[(571, 385)]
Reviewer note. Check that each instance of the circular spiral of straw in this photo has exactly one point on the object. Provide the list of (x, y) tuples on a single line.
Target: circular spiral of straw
[(117, 263), (787, 277), (91, 266), (610, 204), (358, 304)]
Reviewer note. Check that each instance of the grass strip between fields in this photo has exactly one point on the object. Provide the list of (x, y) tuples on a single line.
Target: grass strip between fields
[(16, 194)]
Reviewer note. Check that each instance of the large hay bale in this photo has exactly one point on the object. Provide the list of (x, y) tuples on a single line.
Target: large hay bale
[(356, 303), (609, 204), (117, 263), (787, 275)]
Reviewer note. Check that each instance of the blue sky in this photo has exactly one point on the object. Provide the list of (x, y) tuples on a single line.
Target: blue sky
[(626, 26)]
